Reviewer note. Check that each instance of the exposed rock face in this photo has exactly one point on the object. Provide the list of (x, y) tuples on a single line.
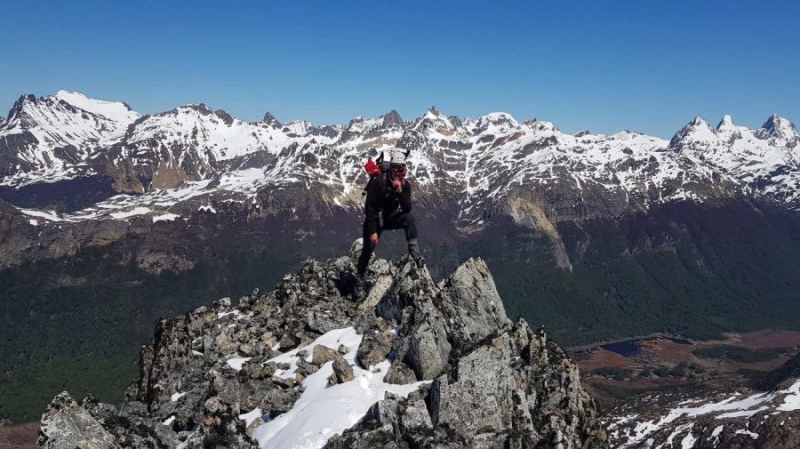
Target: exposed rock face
[(392, 118), (494, 383)]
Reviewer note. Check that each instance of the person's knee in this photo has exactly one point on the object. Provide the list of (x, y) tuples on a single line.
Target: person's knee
[(410, 220)]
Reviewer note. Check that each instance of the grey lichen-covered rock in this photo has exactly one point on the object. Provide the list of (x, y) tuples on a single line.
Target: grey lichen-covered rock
[(423, 343), (473, 308), (491, 383), (478, 401), (67, 425)]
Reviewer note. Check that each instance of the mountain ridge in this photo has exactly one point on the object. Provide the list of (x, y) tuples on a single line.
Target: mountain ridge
[(192, 143)]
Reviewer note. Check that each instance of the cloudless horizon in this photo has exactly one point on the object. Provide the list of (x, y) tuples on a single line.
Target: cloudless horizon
[(583, 65)]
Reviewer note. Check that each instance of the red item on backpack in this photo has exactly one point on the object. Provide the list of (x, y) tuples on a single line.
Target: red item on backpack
[(372, 168)]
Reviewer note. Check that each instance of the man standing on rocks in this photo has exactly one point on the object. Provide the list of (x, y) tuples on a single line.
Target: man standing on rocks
[(388, 207)]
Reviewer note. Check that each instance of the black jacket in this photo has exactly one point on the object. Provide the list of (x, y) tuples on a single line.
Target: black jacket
[(381, 197)]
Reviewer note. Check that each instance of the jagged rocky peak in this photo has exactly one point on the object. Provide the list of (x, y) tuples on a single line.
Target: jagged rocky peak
[(197, 107), (496, 122), (392, 118), (22, 101), (71, 118), (433, 120), (361, 124), (270, 119), (779, 128), (18, 109), (727, 130), (696, 133), (698, 125), (224, 116), (726, 123), (183, 118), (541, 126), (326, 360)]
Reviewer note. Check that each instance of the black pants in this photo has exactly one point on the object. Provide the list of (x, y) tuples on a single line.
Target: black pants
[(398, 220)]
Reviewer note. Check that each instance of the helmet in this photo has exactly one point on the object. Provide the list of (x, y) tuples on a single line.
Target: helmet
[(398, 156)]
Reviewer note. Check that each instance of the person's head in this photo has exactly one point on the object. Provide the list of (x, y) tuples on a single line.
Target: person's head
[(398, 170)]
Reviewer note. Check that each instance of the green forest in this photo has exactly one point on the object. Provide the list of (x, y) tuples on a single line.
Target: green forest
[(681, 271)]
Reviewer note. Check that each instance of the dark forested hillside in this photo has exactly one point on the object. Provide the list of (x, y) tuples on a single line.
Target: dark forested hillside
[(683, 269)]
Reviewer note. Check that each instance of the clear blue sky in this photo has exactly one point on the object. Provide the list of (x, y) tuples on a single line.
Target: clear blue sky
[(599, 65)]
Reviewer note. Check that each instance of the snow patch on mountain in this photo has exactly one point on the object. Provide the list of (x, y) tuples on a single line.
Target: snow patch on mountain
[(318, 414), (198, 127), (635, 430), (115, 111)]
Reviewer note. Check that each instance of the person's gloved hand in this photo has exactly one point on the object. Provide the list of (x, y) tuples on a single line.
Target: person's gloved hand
[(373, 238)]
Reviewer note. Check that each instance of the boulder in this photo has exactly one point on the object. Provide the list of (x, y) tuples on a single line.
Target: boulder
[(67, 425)]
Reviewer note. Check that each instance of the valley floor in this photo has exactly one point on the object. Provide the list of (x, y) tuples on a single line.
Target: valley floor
[(615, 372), (19, 437)]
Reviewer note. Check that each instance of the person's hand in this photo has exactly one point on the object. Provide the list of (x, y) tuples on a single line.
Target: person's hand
[(398, 186), (373, 238)]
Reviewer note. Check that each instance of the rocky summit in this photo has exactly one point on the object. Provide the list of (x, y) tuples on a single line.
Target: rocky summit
[(327, 360)]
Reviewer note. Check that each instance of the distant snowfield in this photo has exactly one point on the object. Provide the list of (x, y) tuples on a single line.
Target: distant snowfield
[(732, 407), (115, 111), (244, 183), (322, 411)]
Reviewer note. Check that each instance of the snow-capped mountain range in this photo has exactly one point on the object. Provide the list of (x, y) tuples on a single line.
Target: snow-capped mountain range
[(486, 166)]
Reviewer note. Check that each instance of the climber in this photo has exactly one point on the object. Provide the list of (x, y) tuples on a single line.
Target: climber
[(388, 206)]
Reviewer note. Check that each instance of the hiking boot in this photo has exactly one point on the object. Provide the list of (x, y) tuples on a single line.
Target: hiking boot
[(362, 289), (413, 252)]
